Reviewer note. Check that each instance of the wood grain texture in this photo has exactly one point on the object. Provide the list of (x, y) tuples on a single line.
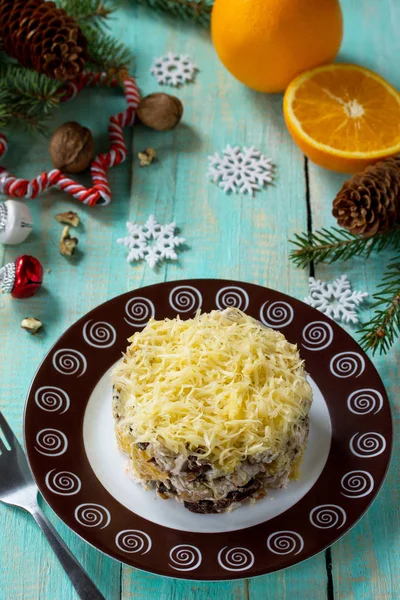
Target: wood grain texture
[(227, 236), (366, 561)]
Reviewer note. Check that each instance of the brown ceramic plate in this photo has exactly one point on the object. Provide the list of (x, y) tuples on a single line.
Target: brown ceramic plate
[(72, 452)]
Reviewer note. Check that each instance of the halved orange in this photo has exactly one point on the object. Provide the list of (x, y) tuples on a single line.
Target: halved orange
[(343, 117)]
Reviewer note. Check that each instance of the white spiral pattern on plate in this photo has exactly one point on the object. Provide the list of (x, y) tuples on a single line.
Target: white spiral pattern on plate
[(347, 364), (327, 516), (92, 515), (139, 311), (276, 314), (367, 445), (52, 399), (133, 541), (357, 484), (232, 297), (285, 542), (69, 362), (185, 298), (99, 334), (235, 559), (63, 483), (365, 401), (185, 557), (317, 335), (51, 442)]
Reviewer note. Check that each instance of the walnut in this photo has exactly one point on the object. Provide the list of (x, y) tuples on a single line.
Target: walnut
[(67, 243), (31, 324), (146, 157), (72, 147), (68, 218), (160, 111)]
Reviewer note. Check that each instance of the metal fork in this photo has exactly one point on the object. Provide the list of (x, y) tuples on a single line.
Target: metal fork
[(17, 488)]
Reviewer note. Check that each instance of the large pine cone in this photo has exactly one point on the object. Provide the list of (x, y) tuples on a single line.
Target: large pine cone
[(43, 37), (369, 202)]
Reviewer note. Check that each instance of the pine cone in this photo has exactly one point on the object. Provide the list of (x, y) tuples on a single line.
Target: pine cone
[(369, 202), (42, 37)]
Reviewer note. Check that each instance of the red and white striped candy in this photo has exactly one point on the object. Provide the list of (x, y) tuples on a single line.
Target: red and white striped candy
[(100, 192)]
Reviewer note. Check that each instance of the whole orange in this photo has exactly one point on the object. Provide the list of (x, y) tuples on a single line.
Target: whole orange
[(266, 43)]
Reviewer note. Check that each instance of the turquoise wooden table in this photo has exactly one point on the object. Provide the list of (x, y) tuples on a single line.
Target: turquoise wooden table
[(236, 237)]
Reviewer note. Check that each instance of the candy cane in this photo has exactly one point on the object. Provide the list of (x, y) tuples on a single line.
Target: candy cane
[(100, 193)]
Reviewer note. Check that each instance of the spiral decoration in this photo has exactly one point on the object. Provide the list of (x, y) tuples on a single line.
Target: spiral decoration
[(133, 541), (63, 483), (357, 484), (185, 298), (232, 297), (52, 399), (285, 542), (347, 364), (185, 557), (139, 311), (365, 401), (51, 442), (317, 335), (69, 362), (235, 559), (276, 315), (99, 334), (92, 515), (327, 516), (367, 445)]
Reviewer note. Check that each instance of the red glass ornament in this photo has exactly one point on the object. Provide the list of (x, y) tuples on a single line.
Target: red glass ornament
[(28, 277)]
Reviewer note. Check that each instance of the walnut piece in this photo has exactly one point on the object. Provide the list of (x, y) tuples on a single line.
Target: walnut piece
[(31, 324), (146, 157), (160, 111), (67, 243), (72, 147), (68, 218)]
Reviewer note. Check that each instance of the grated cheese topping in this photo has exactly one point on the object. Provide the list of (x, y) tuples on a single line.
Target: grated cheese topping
[(220, 385)]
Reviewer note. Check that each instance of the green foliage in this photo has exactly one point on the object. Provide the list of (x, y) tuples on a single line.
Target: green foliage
[(190, 10), (26, 96), (380, 333), (29, 98), (105, 52), (93, 12), (329, 245)]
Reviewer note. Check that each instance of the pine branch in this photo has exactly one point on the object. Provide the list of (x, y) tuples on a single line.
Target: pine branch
[(26, 97), (89, 12), (383, 329), (106, 54), (190, 10), (330, 245)]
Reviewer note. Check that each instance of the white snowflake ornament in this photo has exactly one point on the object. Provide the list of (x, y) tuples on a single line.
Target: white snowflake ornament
[(151, 242), (173, 69), (336, 299), (240, 170)]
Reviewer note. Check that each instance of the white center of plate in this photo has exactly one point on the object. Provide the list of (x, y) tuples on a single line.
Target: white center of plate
[(110, 465)]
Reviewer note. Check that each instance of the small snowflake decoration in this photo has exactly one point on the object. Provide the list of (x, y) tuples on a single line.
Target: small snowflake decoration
[(335, 299), (240, 170), (173, 69), (151, 242)]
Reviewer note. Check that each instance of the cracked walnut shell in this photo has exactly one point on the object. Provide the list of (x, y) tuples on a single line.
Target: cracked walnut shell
[(67, 243)]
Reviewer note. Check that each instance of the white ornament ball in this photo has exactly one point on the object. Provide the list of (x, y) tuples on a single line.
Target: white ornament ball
[(15, 222)]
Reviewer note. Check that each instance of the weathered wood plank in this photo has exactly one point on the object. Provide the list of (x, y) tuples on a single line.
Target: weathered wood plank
[(227, 236), (71, 288), (366, 560)]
